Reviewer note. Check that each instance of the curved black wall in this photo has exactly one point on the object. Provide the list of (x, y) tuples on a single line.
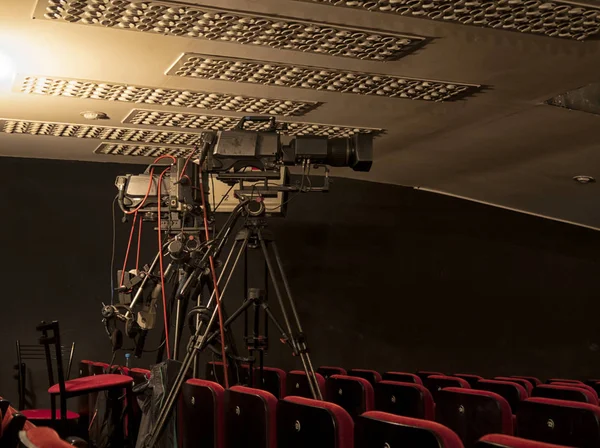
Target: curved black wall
[(384, 277)]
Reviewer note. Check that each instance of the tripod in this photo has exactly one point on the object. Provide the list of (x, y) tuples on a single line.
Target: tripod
[(253, 235)]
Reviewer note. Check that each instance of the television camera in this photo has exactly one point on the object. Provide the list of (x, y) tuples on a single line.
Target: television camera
[(176, 198)]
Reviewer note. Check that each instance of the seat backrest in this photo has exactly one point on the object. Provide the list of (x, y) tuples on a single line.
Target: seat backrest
[(563, 380), (504, 441), (327, 371), (202, 413), (473, 413), (561, 422), (559, 392), (250, 418), (50, 340), (523, 382), (372, 376), (401, 377), (425, 373), (379, 429), (405, 399), (29, 352), (512, 392), (594, 384), (532, 379), (215, 371), (436, 383), (580, 386), (354, 394), (273, 380), (84, 367), (470, 378), (297, 384), (303, 422)]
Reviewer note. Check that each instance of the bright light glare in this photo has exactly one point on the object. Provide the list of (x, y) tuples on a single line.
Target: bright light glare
[(7, 69)]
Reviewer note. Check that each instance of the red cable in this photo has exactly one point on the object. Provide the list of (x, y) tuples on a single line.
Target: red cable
[(215, 283), (162, 271), (186, 162), (127, 252), (137, 258)]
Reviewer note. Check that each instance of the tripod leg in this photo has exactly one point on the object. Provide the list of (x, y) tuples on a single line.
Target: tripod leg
[(299, 346), (182, 304), (303, 350)]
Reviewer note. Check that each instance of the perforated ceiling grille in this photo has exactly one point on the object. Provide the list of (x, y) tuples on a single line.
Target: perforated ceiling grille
[(288, 75), (164, 97), (123, 149), (221, 122), (177, 19), (549, 18), (100, 132)]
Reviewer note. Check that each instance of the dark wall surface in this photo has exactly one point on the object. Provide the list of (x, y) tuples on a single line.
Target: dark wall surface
[(384, 277)]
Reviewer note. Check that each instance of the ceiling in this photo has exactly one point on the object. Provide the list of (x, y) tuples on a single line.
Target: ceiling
[(488, 137)]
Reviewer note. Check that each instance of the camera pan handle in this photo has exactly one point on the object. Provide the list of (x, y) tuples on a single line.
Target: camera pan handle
[(259, 118)]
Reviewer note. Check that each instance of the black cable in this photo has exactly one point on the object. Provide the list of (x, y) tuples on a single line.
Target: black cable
[(294, 196), (157, 348), (224, 197)]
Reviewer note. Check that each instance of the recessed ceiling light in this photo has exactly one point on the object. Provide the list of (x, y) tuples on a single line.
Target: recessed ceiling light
[(268, 73), (86, 89), (584, 179), (559, 18), (226, 25), (92, 115)]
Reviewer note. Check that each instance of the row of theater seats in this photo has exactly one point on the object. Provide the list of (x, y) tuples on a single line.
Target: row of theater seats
[(563, 412)]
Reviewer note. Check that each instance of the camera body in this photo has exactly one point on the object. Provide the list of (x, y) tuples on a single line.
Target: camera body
[(241, 157)]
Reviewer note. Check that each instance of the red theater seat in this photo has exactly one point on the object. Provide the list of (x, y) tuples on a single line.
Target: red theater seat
[(563, 380), (327, 371), (560, 422), (471, 379), (523, 382), (379, 429), (302, 423), (401, 377), (473, 413), (425, 373), (405, 399), (581, 386), (559, 392), (436, 383), (203, 414), (532, 379), (354, 394), (42, 437), (215, 371), (273, 381), (297, 384), (504, 441), (371, 376), (251, 416), (512, 392)]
